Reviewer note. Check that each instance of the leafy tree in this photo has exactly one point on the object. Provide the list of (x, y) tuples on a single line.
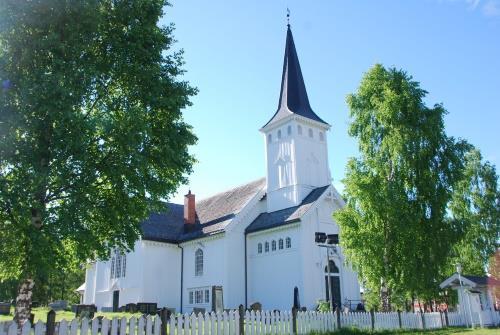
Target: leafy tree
[(475, 208), (91, 130), (393, 227)]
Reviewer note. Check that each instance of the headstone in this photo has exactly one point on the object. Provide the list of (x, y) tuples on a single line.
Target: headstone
[(131, 308), (256, 306), (4, 308), (217, 299), (51, 323), (296, 300), (197, 310), (87, 311), (58, 305), (147, 307)]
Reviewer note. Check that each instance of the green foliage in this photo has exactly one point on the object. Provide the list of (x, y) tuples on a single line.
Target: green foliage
[(323, 306), (91, 130), (393, 225), (475, 208)]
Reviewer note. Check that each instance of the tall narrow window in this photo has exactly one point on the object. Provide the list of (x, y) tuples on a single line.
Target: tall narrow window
[(288, 242), (266, 248), (259, 248), (279, 134), (118, 271), (310, 133), (191, 300), (112, 267), (321, 136), (299, 129), (273, 245), (280, 243), (269, 138), (124, 264), (289, 130), (207, 296), (198, 262)]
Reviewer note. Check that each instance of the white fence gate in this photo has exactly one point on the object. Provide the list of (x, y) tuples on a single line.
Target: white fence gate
[(252, 323)]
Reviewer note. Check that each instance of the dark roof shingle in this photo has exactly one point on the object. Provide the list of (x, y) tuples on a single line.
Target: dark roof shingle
[(285, 216)]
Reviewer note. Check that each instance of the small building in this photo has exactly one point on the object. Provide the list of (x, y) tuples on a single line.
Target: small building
[(475, 298)]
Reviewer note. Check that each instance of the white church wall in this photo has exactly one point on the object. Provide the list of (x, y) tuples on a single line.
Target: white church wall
[(89, 293), (314, 258), (214, 269), (160, 275), (273, 275)]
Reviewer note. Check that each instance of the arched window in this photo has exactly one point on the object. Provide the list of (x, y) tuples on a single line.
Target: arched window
[(321, 136), (289, 130), (273, 245), (280, 243), (279, 134), (269, 138), (259, 248), (124, 265), (288, 242), (310, 133), (118, 270), (112, 267), (299, 129), (198, 262), (266, 247), (333, 267)]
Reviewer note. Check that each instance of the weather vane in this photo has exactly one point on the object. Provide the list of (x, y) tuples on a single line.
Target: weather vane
[(288, 16)]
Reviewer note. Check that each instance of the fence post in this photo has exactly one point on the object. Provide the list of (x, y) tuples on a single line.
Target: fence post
[(446, 318), (399, 319), (422, 316), (164, 316), (372, 319), (241, 312), (51, 323), (294, 320), (337, 311)]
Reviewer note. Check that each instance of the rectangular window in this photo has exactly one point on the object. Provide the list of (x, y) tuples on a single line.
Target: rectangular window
[(207, 296), (112, 267), (124, 264), (191, 297), (199, 296), (118, 271)]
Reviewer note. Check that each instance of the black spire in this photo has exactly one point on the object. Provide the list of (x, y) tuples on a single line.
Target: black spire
[(293, 95)]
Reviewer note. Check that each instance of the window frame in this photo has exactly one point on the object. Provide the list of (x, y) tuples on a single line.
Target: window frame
[(288, 242), (266, 247), (280, 244), (198, 262), (259, 248), (273, 245)]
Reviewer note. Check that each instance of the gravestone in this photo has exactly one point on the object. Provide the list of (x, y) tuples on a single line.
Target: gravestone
[(4, 308), (147, 307), (256, 306), (58, 305), (217, 299), (87, 311)]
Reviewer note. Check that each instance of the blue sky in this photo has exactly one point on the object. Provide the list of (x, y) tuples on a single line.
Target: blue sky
[(234, 53)]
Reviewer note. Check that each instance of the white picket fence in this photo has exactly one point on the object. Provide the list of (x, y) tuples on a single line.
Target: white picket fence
[(254, 323)]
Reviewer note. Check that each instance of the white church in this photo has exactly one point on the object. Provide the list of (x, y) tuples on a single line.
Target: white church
[(255, 242)]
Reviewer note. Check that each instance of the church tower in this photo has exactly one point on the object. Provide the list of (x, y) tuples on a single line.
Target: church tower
[(295, 137)]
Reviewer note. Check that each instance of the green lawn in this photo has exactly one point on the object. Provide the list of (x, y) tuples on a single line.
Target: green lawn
[(447, 331), (41, 314)]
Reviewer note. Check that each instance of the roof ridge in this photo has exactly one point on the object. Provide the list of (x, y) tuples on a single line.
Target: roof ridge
[(232, 189)]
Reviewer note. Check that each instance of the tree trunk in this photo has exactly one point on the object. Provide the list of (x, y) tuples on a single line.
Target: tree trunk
[(23, 301), (385, 298)]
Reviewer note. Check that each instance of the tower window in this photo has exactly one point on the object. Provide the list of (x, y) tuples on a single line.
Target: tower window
[(273, 245), (266, 247), (288, 242), (279, 134), (269, 138), (289, 130), (198, 262), (299, 129), (321, 136), (259, 248), (280, 243), (310, 133)]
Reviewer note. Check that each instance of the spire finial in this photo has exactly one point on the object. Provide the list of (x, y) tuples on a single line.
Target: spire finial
[(288, 17)]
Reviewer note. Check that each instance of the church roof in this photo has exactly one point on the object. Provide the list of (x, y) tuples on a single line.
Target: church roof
[(293, 94), (213, 214), (285, 216)]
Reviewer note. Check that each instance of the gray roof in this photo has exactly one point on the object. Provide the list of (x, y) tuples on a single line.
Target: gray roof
[(213, 214), (285, 216), (293, 94), (483, 280)]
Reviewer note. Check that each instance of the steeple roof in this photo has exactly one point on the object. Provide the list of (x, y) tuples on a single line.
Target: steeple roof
[(293, 95)]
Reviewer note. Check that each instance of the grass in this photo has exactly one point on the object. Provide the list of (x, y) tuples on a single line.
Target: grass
[(445, 331), (41, 314)]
